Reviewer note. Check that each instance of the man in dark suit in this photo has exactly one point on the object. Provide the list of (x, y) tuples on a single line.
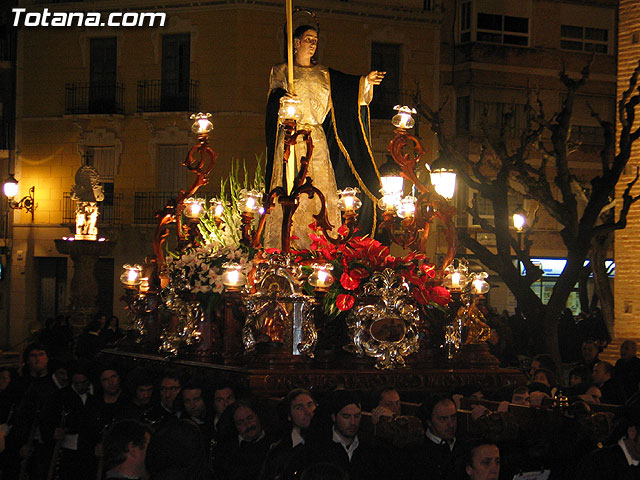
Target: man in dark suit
[(612, 391), (440, 447), (620, 461), (359, 457), (627, 368)]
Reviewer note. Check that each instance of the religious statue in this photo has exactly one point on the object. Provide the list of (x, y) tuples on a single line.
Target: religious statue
[(86, 219), (87, 192), (331, 104)]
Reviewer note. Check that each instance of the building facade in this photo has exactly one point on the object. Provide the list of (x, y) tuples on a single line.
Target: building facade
[(120, 98), (495, 57)]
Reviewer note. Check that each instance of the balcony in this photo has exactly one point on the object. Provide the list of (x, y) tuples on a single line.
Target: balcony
[(109, 210), (94, 98), (158, 96), (146, 204)]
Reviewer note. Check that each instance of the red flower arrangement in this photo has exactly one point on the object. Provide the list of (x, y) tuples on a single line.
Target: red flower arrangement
[(355, 261)]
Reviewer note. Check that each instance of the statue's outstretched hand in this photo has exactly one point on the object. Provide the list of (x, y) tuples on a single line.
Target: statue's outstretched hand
[(375, 77)]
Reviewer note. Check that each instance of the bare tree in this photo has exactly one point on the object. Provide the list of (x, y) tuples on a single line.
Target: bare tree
[(535, 164)]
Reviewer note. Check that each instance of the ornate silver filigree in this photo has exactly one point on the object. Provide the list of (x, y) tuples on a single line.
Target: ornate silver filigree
[(278, 312), (384, 324)]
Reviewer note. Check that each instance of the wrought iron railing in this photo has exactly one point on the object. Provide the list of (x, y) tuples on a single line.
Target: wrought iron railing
[(98, 98), (109, 209), (159, 96), (146, 204)]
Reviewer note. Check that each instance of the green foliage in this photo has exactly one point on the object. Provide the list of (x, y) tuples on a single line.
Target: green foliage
[(229, 232)]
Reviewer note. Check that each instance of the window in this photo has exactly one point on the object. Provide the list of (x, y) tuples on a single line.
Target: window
[(102, 75), (584, 39), (171, 175), (386, 58), (503, 29), (465, 22), (175, 72)]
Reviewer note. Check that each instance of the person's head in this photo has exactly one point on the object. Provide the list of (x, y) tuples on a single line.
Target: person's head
[(542, 375), (589, 351), (602, 372), (521, 396), (223, 396), (390, 399), (589, 393), (301, 408), (101, 318), (140, 386), (246, 420), (482, 460), (124, 447), (59, 372), (109, 380), (543, 360), (192, 400), (114, 322), (440, 416), (305, 43), (169, 388), (346, 412), (80, 378), (578, 375), (5, 378), (628, 350), (36, 360)]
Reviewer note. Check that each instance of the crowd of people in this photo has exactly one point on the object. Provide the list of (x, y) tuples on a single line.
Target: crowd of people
[(70, 416)]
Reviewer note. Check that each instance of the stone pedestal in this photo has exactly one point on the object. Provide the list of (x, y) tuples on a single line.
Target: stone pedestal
[(84, 286)]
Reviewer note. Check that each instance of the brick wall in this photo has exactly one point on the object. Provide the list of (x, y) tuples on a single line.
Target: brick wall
[(627, 241)]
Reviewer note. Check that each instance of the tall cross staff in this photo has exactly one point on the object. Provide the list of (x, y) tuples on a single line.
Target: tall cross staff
[(291, 164)]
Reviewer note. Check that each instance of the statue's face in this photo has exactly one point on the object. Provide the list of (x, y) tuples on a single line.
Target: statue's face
[(307, 44)]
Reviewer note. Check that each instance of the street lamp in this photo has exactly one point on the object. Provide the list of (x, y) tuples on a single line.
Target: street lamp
[(26, 203), (519, 218)]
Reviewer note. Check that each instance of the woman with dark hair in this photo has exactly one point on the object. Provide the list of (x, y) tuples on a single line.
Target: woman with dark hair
[(330, 107)]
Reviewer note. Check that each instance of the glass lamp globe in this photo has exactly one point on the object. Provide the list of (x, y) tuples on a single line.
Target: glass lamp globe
[(10, 187), (201, 123), (444, 182), (233, 278), (290, 109), (403, 119), (131, 276), (193, 207), (407, 208), (250, 201), (480, 284), (321, 278), (349, 201)]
